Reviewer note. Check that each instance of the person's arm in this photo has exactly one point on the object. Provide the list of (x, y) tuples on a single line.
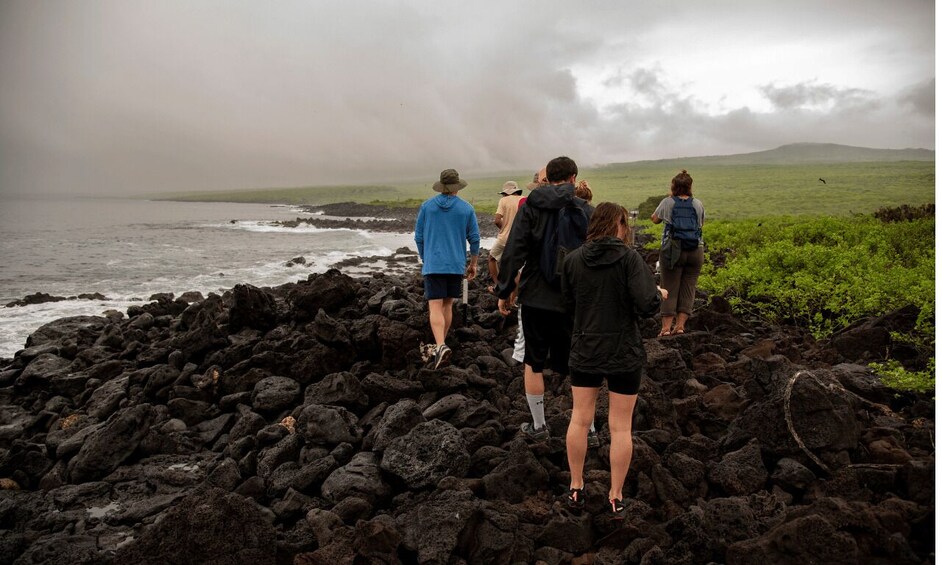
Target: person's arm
[(474, 240), (499, 221), (567, 285), (660, 213), (420, 233), (645, 295), (515, 253), (472, 270)]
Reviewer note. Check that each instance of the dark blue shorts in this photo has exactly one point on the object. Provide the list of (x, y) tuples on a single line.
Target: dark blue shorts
[(442, 286), (624, 383)]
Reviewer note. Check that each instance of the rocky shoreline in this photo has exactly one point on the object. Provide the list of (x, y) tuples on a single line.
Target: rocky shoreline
[(375, 218), (298, 424)]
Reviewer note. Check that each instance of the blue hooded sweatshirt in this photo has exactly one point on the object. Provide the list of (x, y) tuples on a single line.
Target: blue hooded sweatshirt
[(443, 225)]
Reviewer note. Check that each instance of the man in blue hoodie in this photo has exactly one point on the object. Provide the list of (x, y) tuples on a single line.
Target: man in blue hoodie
[(445, 222), (546, 324)]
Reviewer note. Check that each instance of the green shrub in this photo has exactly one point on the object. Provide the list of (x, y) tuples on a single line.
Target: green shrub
[(894, 375), (823, 273)]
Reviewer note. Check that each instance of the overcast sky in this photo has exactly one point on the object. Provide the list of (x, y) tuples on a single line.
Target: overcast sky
[(128, 96)]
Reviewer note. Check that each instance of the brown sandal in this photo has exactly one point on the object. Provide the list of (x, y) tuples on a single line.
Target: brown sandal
[(664, 333)]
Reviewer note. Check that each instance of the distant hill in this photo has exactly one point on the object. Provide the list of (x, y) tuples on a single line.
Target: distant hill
[(801, 153)]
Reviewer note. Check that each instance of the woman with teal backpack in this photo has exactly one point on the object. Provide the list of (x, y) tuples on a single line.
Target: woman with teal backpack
[(683, 215)]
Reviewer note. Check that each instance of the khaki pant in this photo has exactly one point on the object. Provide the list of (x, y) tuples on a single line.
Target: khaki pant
[(681, 282)]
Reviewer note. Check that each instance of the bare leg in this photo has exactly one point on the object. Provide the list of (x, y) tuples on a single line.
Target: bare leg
[(666, 322), (492, 269), (620, 409), (532, 381), (447, 312), (439, 317), (681, 321), (583, 412)]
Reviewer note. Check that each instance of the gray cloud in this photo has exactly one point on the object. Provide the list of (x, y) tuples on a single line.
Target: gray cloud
[(814, 95), (920, 98), (130, 96)]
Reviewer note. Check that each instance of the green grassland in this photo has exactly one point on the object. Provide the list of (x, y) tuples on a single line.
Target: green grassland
[(729, 191)]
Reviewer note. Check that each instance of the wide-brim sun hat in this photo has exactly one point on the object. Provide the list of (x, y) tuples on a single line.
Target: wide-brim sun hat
[(449, 182), (510, 187)]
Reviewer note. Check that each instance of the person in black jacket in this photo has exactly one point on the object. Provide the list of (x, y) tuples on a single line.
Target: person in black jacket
[(546, 325), (607, 287)]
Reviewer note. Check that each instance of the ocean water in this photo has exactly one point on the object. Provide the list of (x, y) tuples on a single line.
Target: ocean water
[(128, 250)]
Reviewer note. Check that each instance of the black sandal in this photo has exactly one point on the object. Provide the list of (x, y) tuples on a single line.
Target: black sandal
[(618, 510), (576, 498)]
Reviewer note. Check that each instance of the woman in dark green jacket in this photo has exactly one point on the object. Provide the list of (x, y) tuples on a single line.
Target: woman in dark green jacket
[(607, 287)]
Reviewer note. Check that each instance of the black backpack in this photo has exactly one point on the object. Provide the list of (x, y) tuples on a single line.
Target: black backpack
[(685, 225), (565, 232)]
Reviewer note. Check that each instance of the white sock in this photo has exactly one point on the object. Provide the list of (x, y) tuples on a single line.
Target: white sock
[(536, 410)]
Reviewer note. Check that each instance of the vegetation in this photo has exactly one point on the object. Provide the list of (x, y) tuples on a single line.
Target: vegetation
[(894, 375), (824, 273), (730, 191)]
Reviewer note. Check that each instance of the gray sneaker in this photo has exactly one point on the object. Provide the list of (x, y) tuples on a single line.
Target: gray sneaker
[(536, 434), (442, 354), (592, 440)]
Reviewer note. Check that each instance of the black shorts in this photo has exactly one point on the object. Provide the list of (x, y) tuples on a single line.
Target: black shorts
[(548, 336), (442, 286), (623, 383)]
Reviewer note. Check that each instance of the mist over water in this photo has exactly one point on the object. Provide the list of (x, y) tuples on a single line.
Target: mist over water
[(128, 250)]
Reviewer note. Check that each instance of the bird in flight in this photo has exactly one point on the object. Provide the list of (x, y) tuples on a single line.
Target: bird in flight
[(822, 180)]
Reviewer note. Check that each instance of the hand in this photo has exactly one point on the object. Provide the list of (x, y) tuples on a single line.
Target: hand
[(663, 293), (471, 271), (504, 305)]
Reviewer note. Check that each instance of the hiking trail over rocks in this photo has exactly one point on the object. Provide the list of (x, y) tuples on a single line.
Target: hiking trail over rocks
[(297, 424)]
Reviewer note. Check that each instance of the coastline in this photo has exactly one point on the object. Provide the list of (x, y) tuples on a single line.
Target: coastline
[(306, 412)]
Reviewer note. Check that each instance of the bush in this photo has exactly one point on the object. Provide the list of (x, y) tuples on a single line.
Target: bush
[(895, 376), (825, 273)]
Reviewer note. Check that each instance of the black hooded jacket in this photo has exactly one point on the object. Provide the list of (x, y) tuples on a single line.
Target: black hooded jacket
[(608, 288), (525, 243)]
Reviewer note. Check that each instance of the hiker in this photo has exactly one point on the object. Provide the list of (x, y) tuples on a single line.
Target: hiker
[(443, 225), (607, 287), (539, 179), (546, 325), (584, 191), (511, 195), (683, 215)]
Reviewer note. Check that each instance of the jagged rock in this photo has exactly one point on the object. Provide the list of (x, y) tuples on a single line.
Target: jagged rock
[(107, 447), (433, 528), (518, 476), (338, 389), (740, 472), (792, 475), (398, 420), (119, 422), (377, 540), (35, 298), (42, 369), (428, 453), (361, 477), (210, 526), (251, 308), (329, 291), (328, 425), (273, 394)]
